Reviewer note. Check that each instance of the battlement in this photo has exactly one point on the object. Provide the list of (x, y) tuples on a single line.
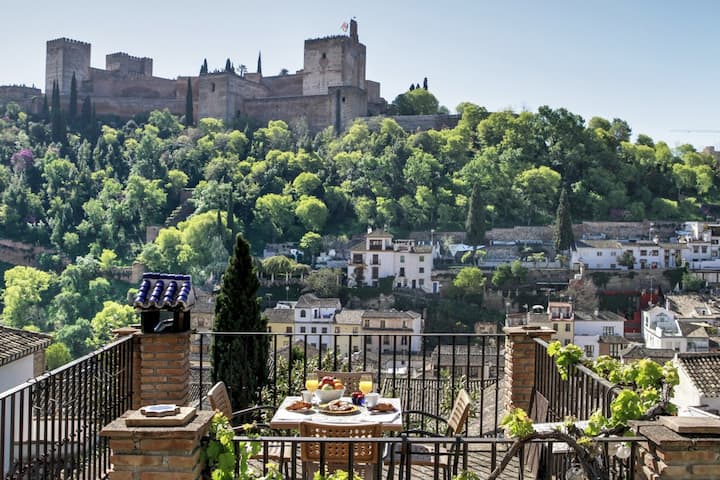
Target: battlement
[(127, 56), (66, 41), (126, 64)]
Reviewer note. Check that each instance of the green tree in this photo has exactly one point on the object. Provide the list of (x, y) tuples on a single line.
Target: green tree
[(57, 355), (73, 107), (416, 102), (312, 213), (112, 316), (470, 281), (24, 297), (563, 233), (241, 362), (475, 221), (311, 242), (627, 259), (326, 282), (189, 104), (75, 337)]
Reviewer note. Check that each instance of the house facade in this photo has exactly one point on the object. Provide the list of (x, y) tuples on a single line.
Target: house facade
[(379, 256), (645, 254), (662, 329), (314, 316), (388, 331), (589, 330)]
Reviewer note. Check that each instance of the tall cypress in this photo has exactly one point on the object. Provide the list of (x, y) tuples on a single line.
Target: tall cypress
[(425, 83), (72, 108), (475, 221), (57, 122), (563, 235), (204, 67), (228, 65), (189, 104), (259, 66), (45, 112), (240, 361)]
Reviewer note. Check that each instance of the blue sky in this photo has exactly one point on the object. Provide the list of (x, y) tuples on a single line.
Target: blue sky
[(651, 63)]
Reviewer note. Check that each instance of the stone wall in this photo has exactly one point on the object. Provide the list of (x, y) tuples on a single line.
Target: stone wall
[(315, 109), (283, 85), (126, 64), (63, 58), (20, 94), (412, 123), (332, 61)]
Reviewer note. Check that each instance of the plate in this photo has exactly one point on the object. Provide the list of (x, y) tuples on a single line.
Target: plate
[(354, 409), (381, 412), (301, 410)]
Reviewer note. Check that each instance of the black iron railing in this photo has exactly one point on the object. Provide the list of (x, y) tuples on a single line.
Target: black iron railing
[(49, 426), (583, 393), (425, 370)]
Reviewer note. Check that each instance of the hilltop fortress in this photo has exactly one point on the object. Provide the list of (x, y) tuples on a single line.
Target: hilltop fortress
[(330, 89)]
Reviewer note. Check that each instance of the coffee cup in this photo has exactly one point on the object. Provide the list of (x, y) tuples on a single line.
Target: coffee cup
[(371, 399), (307, 396)]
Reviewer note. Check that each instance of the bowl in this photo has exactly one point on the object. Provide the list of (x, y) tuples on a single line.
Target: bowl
[(326, 396)]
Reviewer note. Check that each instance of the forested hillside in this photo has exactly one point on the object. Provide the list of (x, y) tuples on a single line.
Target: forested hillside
[(88, 189)]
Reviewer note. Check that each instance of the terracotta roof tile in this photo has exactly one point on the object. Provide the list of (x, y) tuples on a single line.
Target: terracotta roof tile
[(18, 343), (703, 369)]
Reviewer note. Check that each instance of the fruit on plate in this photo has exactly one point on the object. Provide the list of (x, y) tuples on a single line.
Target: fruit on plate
[(328, 386), (338, 385), (327, 380)]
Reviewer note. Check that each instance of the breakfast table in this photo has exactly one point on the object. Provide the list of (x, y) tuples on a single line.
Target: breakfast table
[(288, 419)]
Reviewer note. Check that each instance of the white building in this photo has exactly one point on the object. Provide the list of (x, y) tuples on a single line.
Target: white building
[(379, 256), (315, 316), (606, 254), (22, 357), (699, 386), (661, 329), (590, 328), (388, 331)]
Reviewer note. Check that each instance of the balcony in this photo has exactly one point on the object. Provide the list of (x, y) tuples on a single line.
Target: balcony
[(55, 419)]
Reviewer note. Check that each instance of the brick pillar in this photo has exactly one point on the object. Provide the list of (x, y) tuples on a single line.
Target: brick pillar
[(162, 369), (668, 454), (520, 363), (156, 453)]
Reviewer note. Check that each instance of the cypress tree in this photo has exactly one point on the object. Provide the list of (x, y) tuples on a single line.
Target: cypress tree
[(85, 113), (259, 67), (72, 108), (425, 83), (412, 87), (189, 104), (204, 67), (57, 122), (45, 112), (475, 221), (563, 235), (228, 65), (241, 362)]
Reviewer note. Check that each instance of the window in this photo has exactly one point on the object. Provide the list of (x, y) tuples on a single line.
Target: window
[(567, 327), (421, 282), (589, 351), (367, 323), (696, 249), (613, 265), (375, 273), (313, 330), (422, 258), (613, 254), (355, 330), (608, 331), (643, 253), (703, 249), (382, 323), (402, 271), (368, 341), (615, 349), (316, 313), (567, 341), (376, 259), (386, 340), (403, 340), (599, 254), (302, 329), (357, 258), (654, 253), (402, 258), (422, 269), (303, 314), (555, 327), (288, 329), (337, 329), (323, 330)]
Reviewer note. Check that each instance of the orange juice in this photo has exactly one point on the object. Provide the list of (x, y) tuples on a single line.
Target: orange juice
[(365, 386), (311, 384)]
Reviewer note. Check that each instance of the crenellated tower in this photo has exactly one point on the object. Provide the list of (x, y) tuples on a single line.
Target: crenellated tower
[(65, 57)]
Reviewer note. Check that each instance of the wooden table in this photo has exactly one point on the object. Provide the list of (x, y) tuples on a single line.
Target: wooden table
[(286, 419)]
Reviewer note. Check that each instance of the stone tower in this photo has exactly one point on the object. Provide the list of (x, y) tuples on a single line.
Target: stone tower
[(337, 61), (65, 57)]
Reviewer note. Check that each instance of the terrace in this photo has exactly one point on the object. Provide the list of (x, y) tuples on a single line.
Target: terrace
[(52, 426)]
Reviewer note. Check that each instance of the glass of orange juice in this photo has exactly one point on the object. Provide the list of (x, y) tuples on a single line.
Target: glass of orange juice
[(366, 384), (311, 384)]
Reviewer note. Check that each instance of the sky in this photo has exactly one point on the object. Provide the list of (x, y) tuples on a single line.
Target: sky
[(652, 63)]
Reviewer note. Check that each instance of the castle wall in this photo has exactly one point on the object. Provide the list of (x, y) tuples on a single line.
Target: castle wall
[(373, 91), (20, 94), (346, 104), (323, 64), (353, 72), (63, 57), (222, 95), (411, 123), (127, 107), (315, 109), (126, 64), (105, 83), (284, 85)]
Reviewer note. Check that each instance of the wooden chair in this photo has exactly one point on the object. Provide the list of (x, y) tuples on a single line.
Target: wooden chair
[(349, 379), (257, 416), (337, 454), (443, 456)]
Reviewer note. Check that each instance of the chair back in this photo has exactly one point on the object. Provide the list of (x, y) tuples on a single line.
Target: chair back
[(459, 414), (220, 400), (351, 380), (338, 453)]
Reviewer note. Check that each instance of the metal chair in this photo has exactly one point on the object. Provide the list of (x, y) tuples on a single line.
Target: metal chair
[(442, 456), (257, 417), (336, 455)]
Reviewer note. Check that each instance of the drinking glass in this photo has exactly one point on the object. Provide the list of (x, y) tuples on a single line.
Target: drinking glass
[(311, 384), (366, 384)]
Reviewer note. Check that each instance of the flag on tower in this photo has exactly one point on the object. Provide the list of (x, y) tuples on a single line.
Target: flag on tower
[(344, 27)]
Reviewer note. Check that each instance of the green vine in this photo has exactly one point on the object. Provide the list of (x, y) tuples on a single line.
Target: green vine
[(564, 356), (336, 475)]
